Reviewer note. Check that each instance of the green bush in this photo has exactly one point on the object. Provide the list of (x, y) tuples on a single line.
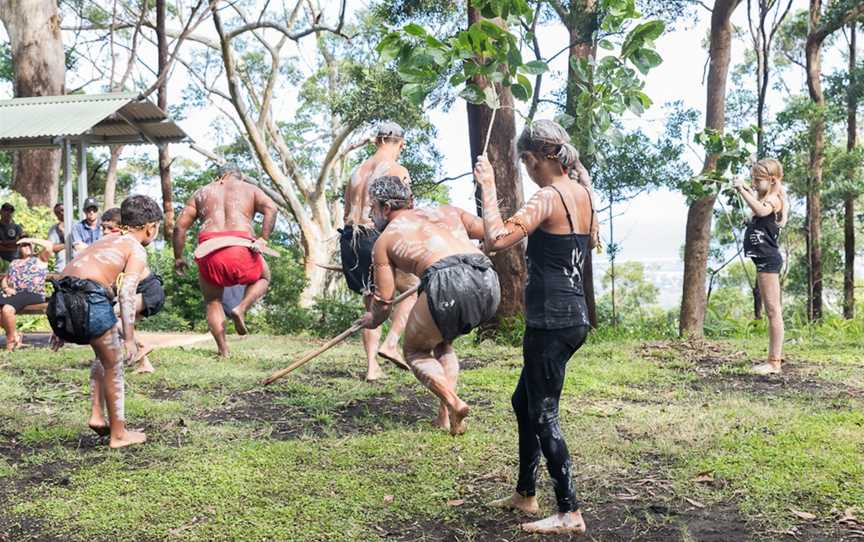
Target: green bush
[(281, 311), (333, 314)]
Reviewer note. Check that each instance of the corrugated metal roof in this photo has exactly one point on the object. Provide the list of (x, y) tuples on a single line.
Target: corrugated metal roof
[(101, 118)]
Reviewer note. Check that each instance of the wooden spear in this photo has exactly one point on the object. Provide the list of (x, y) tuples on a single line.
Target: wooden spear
[(355, 327)]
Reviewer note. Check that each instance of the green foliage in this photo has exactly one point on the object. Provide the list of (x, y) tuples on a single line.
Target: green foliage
[(334, 313), (184, 306), (35, 221), (611, 84), (732, 152), (484, 52), (280, 306)]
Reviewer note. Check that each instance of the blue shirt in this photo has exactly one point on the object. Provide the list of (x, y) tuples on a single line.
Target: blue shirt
[(84, 233)]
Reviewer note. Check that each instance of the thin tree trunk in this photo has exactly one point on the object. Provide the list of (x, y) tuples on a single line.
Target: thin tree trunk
[(111, 177), (817, 153), (698, 232), (39, 66), (581, 24), (849, 204), (510, 264), (162, 102)]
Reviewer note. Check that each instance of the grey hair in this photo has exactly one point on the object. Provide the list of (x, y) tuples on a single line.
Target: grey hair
[(391, 190), (389, 130), (548, 138), (227, 168)]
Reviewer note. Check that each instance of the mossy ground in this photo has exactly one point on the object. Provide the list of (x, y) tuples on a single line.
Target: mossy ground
[(671, 441)]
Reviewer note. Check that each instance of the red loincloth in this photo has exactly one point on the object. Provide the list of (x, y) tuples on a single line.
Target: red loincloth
[(230, 266)]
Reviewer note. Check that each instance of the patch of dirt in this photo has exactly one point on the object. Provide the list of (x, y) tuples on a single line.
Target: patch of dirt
[(408, 406), (711, 362)]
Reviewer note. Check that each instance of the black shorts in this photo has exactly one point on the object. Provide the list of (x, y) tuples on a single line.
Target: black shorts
[(769, 263), (355, 247), (153, 294), (462, 291), (22, 299), (80, 310)]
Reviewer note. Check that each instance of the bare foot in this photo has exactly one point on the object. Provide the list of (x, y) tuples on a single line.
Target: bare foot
[(516, 501), (457, 418), (374, 372), (144, 366), (19, 340), (239, 322), (393, 356), (55, 342), (443, 419), (129, 438), (223, 354), (141, 355), (98, 425), (571, 522), (767, 368)]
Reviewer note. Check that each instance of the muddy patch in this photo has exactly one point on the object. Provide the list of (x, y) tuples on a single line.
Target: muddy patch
[(405, 407), (719, 368)]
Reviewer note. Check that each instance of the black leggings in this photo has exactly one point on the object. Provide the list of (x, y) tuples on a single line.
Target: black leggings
[(535, 401)]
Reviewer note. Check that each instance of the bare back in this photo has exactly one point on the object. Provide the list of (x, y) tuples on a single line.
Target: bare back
[(104, 260), (420, 237), (228, 204), (357, 201), (578, 205)]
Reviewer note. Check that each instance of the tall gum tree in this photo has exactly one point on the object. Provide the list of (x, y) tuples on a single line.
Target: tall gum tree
[(698, 230), (40, 70), (509, 264), (838, 15)]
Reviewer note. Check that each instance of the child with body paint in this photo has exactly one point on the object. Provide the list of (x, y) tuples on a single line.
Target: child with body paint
[(80, 310), (767, 200)]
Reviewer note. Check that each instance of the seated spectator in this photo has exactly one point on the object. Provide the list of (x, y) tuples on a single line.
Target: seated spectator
[(10, 232), (23, 285), (57, 235), (111, 221), (87, 231)]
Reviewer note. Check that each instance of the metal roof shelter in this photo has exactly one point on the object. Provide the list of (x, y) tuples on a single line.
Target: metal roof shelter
[(82, 120)]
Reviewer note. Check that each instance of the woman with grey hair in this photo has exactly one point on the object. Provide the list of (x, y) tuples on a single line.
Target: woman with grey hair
[(560, 225)]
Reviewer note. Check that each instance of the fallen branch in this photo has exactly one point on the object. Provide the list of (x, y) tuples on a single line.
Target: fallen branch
[(355, 327)]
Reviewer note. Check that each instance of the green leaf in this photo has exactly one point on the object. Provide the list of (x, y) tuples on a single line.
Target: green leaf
[(491, 97), (641, 35), (520, 92), (414, 29), (535, 67), (415, 93), (606, 44), (473, 94)]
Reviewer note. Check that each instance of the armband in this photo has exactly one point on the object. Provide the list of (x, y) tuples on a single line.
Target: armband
[(516, 222)]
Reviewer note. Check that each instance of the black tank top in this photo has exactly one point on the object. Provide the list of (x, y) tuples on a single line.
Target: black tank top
[(554, 295), (762, 237)]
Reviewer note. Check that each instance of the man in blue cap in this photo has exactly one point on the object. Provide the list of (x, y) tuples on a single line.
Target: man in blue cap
[(89, 229)]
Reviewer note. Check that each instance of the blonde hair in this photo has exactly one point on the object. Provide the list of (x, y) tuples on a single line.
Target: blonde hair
[(771, 169)]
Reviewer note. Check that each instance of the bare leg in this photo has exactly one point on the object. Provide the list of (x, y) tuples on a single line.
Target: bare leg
[(97, 399), (253, 293), (7, 318), (215, 315), (142, 363), (109, 351), (769, 285), (390, 347), (371, 337), (421, 337)]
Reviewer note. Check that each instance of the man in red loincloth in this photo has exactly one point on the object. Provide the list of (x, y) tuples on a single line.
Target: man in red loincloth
[(228, 251)]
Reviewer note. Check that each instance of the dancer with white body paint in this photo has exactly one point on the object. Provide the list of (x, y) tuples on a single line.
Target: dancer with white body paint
[(80, 310), (226, 208), (560, 225), (458, 288), (357, 237)]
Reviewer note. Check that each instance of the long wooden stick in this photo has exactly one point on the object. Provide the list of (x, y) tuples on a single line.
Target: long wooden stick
[(355, 327)]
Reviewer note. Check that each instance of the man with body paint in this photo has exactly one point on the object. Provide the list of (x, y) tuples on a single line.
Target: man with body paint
[(459, 289), (226, 208), (359, 235), (80, 310)]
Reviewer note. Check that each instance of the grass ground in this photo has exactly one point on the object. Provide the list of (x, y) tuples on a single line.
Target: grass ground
[(671, 441)]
